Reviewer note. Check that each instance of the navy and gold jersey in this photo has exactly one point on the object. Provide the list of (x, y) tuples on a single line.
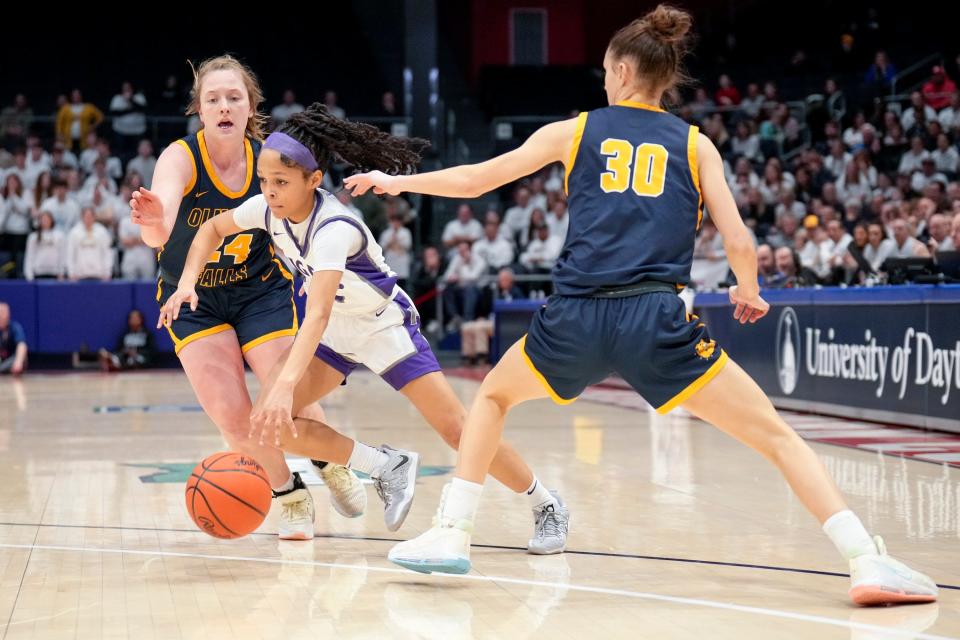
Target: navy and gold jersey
[(634, 200), (241, 256)]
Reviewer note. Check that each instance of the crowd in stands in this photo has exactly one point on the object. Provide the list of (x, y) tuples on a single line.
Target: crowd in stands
[(831, 187)]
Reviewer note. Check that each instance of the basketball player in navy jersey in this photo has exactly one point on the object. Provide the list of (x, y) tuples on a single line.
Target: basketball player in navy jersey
[(196, 179), (636, 178)]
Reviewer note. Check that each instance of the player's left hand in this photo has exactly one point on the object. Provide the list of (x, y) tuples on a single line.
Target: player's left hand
[(170, 311), (272, 414), (381, 183)]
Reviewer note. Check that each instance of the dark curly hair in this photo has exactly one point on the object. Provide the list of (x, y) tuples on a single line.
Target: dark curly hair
[(360, 145)]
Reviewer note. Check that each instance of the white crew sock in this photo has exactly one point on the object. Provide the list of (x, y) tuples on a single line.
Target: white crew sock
[(539, 495), (849, 535), (366, 458), (286, 486), (460, 500)]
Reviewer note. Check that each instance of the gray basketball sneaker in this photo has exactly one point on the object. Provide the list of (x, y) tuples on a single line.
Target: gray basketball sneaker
[(395, 483), (550, 526)]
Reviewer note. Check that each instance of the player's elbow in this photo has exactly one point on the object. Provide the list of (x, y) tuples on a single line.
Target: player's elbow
[(473, 183), (740, 246)]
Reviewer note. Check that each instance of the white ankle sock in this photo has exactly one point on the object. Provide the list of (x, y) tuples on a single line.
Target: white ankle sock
[(461, 500), (849, 535), (539, 495), (366, 459), (286, 486)]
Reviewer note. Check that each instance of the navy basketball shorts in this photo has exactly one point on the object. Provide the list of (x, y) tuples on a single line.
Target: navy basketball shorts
[(665, 354), (259, 309)]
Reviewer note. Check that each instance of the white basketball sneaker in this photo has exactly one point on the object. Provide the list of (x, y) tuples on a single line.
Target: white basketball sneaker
[(347, 494), (879, 579), (296, 511), (444, 548)]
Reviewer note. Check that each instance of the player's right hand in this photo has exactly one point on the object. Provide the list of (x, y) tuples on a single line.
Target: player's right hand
[(171, 309), (750, 308), (146, 208)]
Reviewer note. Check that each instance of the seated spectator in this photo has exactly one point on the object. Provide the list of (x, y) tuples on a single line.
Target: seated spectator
[(285, 109), (745, 143), (475, 335), (134, 349), (834, 249), (927, 174), (517, 218), (879, 247), (918, 111), (938, 227), (949, 118), (139, 262), (330, 100), (89, 250), (99, 179), (537, 219), (853, 184), (559, 220), (727, 95), (36, 162), (808, 247), (789, 206), (855, 262), (853, 135), (955, 231), (464, 228), (701, 105), (90, 153), (790, 272), (938, 89), (710, 266), (423, 283), (753, 102), (15, 221), (144, 163), (836, 163), (462, 291), (913, 159), (945, 156), (397, 243), (783, 234), (766, 265), (63, 206), (13, 343), (45, 257), (62, 158), (495, 250), (542, 252), (905, 245)]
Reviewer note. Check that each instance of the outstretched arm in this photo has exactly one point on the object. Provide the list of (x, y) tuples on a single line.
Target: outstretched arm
[(550, 143)]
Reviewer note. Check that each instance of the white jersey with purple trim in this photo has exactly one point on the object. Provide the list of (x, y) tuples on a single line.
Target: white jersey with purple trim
[(332, 238)]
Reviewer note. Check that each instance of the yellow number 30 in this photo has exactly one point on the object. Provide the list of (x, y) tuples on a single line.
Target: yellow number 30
[(648, 162)]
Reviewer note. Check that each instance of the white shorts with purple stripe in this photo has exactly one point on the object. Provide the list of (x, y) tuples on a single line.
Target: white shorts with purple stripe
[(389, 344)]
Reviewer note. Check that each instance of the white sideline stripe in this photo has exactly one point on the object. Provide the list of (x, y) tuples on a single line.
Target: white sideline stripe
[(775, 613)]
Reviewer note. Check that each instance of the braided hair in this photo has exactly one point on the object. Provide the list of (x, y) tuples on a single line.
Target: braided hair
[(363, 146)]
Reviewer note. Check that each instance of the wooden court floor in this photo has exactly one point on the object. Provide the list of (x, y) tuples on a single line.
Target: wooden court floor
[(676, 532)]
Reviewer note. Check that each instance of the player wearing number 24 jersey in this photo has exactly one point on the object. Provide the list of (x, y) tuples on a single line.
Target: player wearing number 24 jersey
[(242, 270)]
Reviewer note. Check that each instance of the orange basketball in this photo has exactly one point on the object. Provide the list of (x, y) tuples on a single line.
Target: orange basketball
[(228, 495)]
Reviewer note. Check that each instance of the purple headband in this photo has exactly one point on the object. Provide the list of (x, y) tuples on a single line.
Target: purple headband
[(291, 148)]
